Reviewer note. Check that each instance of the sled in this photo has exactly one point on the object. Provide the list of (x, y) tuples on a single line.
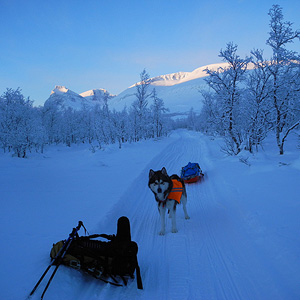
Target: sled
[(191, 173), (113, 261)]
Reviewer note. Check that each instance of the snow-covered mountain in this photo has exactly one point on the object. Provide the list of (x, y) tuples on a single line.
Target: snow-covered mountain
[(64, 98), (180, 77), (180, 92), (96, 95)]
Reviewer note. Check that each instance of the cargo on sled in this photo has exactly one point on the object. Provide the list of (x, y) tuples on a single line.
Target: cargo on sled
[(113, 261), (191, 173)]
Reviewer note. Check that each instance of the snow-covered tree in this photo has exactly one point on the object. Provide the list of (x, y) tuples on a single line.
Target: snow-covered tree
[(256, 104), (38, 135), (84, 129), (244, 111), (192, 120), (107, 120), (120, 126), (24, 127), (210, 116), (226, 84), (52, 119), (158, 110), (284, 70), (140, 105), (18, 121), (97, 126)]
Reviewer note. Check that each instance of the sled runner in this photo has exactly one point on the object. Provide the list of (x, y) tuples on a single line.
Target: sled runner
[(191, 173), (113, 261)]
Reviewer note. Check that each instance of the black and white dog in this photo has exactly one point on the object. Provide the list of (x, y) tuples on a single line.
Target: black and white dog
[(168, 192)]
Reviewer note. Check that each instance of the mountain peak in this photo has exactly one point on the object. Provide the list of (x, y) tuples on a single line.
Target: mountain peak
[(64, 98), (96, 93), (180, 92), (180, 77), (59, 89)]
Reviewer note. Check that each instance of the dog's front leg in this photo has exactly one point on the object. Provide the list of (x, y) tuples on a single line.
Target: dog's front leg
[(162, 212), (173, 216), (171, 205)]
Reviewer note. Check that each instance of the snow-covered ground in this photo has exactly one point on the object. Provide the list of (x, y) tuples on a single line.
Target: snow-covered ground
[(242, 241)]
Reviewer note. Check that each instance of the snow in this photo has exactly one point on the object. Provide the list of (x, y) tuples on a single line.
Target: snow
[(179, 98), (88, 93), (180, 77), (180, 92), (92, 94), (60, 89), (64, 98), (242, 241)]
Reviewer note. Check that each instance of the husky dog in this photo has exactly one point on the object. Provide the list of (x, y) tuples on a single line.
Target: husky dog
[(167, 195)]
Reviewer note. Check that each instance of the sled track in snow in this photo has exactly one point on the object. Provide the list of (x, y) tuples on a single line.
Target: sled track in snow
[(205, 259), (185, 265), (218, 273), (166, 261)]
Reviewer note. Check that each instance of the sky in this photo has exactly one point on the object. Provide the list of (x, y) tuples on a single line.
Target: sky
[(93, 44)]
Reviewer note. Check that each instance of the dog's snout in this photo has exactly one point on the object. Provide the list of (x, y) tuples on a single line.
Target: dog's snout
[(159, 190)]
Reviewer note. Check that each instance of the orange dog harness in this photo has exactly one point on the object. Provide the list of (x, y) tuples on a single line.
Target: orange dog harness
[(176, 191)]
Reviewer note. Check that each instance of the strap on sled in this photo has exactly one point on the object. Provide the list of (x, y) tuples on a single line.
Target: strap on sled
[(118, 256)]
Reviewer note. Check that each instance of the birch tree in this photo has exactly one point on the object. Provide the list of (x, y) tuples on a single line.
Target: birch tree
[(158, 110), (258, 108), (140, 104), (17, 122), (225, 83), (284, 70)]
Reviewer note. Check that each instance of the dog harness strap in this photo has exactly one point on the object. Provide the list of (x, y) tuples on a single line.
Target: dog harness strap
[(176, 191), (163, 203)]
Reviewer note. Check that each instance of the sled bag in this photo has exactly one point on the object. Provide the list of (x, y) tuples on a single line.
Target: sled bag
[(115, 257), (190, 170)]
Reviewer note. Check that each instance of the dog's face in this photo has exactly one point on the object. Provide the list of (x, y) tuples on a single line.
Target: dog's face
[(160, 183)]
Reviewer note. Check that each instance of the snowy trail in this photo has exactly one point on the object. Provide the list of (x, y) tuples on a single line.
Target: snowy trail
[(213, 256), (191, 264), (238, 245)]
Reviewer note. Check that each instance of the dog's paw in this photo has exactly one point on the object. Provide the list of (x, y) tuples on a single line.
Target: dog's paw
[(187, 217), (174, 230), (162, 232)]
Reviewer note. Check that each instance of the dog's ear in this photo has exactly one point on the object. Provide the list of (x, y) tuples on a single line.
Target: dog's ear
[(151, 173), (164, 171)]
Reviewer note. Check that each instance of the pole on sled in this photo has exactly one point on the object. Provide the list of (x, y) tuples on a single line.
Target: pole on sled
[(57, 260), (120, 249), (138, 276)]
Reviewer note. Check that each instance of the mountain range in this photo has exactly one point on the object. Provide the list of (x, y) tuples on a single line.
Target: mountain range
[(180, 92)]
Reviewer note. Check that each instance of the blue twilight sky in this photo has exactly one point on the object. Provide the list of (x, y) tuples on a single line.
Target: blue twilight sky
[(89, 44)]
